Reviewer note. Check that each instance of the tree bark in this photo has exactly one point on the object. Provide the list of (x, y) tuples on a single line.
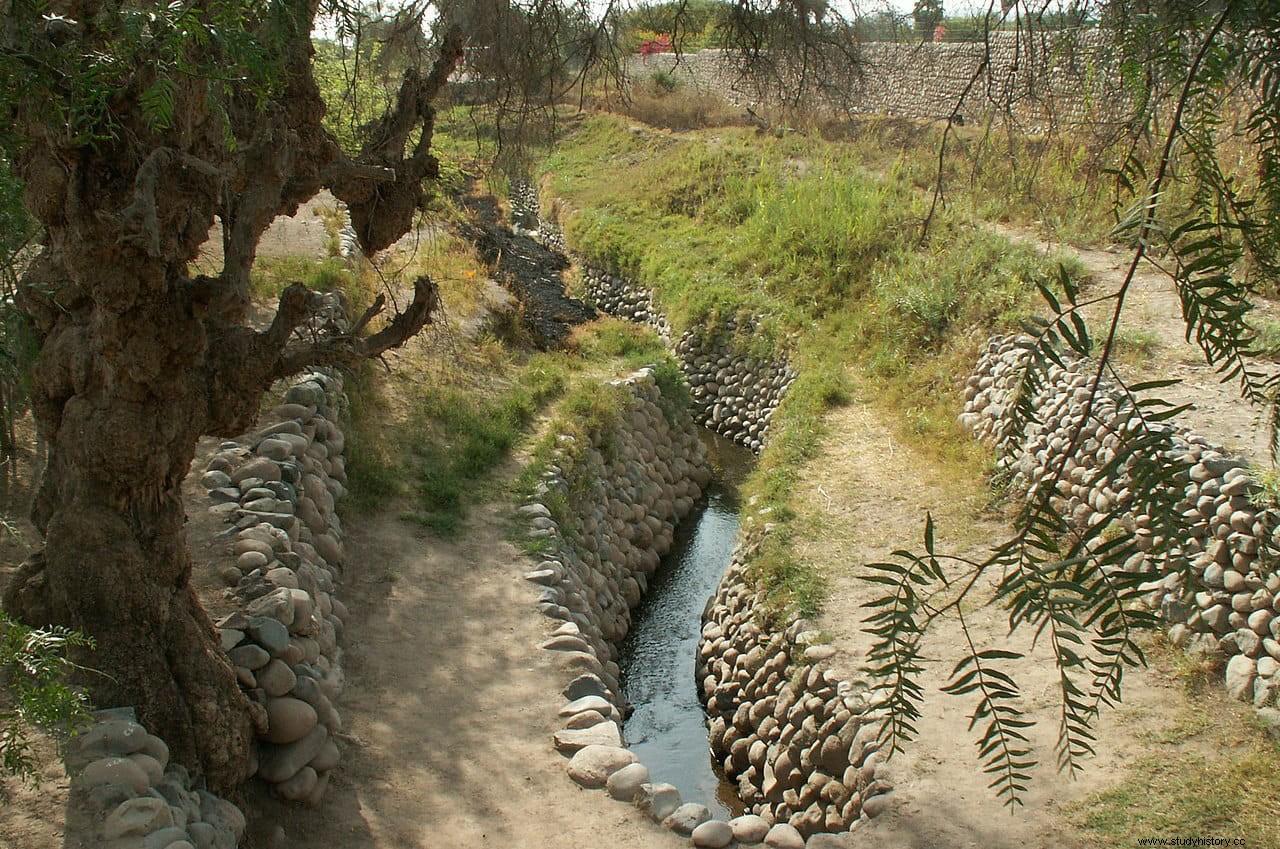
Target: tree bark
[(137, 359), (122, 398)]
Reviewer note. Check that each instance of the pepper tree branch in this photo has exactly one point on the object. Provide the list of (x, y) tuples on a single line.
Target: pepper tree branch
[(382, 186)]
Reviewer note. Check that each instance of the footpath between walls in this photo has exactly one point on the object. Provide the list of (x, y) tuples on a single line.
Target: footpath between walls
[(1218, 588)]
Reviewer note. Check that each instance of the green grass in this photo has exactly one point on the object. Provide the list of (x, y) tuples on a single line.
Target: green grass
[(615, 339), (1135, 345), (1207, 770), (461, 436), (465, 419), (797, 230), (1266, 331), (271, 275)]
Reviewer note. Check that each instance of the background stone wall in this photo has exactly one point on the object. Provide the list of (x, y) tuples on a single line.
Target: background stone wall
[(1042, 80)]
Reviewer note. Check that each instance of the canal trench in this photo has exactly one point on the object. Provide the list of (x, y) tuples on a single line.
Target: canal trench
[(667, 726)]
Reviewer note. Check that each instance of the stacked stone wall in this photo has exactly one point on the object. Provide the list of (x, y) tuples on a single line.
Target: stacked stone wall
[(278, 488), (1219, 587), (126, 794), (606, 512), (799, 743), (1040, 81), (735, 391)]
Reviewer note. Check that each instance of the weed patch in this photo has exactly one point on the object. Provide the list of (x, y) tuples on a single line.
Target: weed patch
[(1224, 785), (461, 435)]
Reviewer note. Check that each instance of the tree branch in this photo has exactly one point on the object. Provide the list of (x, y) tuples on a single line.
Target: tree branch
[(382, 209), (139, 219), (348, 348)]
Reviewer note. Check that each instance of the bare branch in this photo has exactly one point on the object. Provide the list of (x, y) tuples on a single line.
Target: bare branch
[(382, 211), (346, 349)]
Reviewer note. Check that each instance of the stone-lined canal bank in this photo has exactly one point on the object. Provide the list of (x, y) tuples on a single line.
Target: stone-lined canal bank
[(799, 743), (667, 727)]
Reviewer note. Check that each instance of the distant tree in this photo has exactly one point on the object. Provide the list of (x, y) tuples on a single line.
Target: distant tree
[(927, 15), (882, 25), (692, 24)]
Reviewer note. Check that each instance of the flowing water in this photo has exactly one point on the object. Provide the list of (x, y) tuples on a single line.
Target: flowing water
[(667, 729)]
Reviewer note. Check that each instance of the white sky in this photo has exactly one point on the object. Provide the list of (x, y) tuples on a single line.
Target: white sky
[(952, 7)]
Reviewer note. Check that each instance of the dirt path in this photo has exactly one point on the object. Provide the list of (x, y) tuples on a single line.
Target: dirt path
[(1153, 316), (450, 707), (868, 494)]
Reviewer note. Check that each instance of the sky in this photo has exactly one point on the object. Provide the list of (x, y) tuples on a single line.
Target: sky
[(953, 7)]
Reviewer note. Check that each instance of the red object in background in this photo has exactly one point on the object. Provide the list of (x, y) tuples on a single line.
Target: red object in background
[(661, 44), (940, 32)]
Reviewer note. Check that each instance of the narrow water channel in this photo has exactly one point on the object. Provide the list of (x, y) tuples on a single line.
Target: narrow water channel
[(667, 728)]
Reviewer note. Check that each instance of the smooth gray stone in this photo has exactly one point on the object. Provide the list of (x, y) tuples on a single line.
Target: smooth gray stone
[(624, 784), (684, 819)]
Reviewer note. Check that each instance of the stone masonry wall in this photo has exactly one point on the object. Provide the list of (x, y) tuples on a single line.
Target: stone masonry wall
[(1229, 610), (1042, 80), (278, 488), (607, 511), (125, 793), (734, 391), (799, 743)]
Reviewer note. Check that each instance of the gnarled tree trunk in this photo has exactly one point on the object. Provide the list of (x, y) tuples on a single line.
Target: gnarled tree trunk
[(122, 396), (138, 357)]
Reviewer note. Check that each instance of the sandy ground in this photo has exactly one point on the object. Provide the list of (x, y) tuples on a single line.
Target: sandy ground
[(450, 707), (869, 494)]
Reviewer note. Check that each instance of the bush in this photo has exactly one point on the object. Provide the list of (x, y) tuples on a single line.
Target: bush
[(673, 106)]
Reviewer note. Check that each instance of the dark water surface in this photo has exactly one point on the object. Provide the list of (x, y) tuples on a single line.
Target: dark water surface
[(667, 729)]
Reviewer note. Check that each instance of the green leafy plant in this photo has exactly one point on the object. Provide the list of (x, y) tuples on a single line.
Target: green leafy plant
[(35, 668)]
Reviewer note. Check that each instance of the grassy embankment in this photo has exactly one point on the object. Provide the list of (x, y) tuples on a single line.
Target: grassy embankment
[(796, 230), (799, 230), (425, 434)]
